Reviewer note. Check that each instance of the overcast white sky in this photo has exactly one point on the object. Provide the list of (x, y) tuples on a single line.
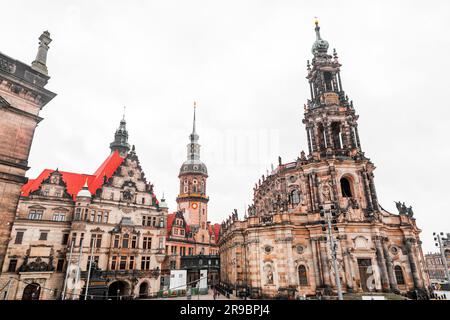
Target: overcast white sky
[(244, 62)]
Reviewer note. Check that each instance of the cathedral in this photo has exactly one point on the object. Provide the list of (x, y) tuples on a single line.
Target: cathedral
[(68, 223), (316, 226)]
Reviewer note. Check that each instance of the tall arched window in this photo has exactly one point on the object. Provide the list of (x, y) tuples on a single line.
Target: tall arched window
[(321, 136), (399, 275), (346, 188), (302, 276), (295, 197), (336, 132)]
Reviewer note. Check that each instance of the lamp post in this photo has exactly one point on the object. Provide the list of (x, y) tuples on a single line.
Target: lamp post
[(438, 242), (329, 214)]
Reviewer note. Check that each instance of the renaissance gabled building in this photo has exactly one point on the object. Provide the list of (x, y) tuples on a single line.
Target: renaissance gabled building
[(282, 248), (67, 221)]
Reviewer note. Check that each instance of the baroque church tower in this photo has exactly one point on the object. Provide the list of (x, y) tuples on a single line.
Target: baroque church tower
[(332, 134), (284, 245), (192, 198)]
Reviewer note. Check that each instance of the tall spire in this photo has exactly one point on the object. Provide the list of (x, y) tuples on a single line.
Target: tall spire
[(193, 162), (194, 136), (193, 127)]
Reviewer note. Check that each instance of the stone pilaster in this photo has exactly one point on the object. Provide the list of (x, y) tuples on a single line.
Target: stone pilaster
[(382, 264)]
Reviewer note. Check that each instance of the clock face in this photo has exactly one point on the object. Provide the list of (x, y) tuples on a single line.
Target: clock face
[(194, 206)]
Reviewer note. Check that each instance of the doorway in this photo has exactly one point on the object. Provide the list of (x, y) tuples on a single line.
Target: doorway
[(31, 292), (143, 290), (365, 273), (118, 290)]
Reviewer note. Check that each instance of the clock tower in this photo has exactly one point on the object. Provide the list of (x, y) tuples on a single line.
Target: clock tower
[(192, 199)]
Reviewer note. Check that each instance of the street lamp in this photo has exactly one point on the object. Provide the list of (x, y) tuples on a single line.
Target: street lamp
[(329, 214), (438, 242)]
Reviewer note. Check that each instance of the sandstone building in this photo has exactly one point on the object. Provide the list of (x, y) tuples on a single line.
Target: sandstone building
[(282, 248), (22, 96), (63, 219)]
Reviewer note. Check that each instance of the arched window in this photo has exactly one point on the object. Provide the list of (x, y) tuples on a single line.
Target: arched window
[(302, 276), (337, 135), (328, 84), (321, 136), (399, 275), (346, 188), (125, 241), (295, 197)]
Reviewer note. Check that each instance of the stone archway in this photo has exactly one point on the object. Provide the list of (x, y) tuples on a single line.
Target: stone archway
[(143, 289), (31, 292), (119, 290)]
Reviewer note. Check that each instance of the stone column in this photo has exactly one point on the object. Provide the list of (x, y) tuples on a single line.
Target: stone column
[(382, 264), (317, 277), (308, 133), (409, 242), (324, 261), (357, 136), (366, 190), (389, 266), (373, 192), (329, 135)]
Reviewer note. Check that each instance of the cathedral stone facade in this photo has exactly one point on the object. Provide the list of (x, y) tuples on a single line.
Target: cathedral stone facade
[(110, 222), (282, 248)]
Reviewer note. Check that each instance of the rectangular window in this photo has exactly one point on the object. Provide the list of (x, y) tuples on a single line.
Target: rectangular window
[(131, 264), (147, 243), (116, 241), (99, 217), (60, 265), (95, 259), (59, 217), (19, 237), (96, 240), (43, 235), (125, 241), (12, 265), (78, 214), (154, 221), (113, 262), (123, 263), (145, 263), (175, 231), (81, 239), (65, 238), (74, 238), (92, 216), (134, 242), (35, 214), (105, 217)]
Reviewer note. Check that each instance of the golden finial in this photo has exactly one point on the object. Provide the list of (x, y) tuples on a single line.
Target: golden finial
[(316, 21)]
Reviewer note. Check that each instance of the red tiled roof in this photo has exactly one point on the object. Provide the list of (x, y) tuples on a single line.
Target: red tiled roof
[(75, 181), (214, 229)]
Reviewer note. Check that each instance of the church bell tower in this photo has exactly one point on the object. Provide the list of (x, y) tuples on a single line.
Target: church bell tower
[(192, 198)]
